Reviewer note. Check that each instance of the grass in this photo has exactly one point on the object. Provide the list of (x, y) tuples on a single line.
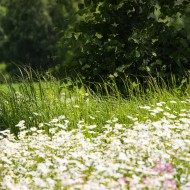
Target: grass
[(70, 137), (39, 102), (3, 73)]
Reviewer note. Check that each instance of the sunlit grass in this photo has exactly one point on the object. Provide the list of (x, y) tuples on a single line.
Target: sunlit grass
[(69, 136), (40, 100)]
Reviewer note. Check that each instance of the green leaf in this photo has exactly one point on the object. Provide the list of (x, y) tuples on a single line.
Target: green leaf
[(137, 53), (87, 2), (81, 6)]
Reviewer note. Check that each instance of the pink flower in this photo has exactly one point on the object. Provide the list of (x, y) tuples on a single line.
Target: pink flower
[(169, 168), (123, 180), (159, 168), (146, 180), (170, 184), (163, 168), (133, 184)]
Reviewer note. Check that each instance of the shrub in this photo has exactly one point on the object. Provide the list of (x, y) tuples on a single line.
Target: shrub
[(127, 37)]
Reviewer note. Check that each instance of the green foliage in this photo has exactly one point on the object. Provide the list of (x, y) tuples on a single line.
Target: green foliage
[(2, 34), (63, 53), (127, 37), (32, 30), (186, 19)]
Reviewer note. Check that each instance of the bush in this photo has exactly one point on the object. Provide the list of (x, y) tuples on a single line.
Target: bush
[(32, 30), (118, 38)]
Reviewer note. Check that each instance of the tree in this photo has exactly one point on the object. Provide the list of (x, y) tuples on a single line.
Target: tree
[(32, 32), (123, 37), (2, 34), (63, 54), (186, 20)]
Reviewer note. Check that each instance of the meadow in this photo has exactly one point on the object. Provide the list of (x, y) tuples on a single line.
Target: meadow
[(64, 135)]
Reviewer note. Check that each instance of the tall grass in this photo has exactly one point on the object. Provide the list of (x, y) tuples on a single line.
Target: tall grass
[(38, 99), (137, 139)]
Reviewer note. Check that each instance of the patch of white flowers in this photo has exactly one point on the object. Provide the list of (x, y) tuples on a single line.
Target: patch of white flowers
[(150, 155)]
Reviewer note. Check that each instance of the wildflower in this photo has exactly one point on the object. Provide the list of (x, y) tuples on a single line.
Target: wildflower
[(169, 168), (182, 114), (183, 178), (21, 124), (173, 102), (33, 129), (171, 116), (184, 120), (186, 186), (66, 122), (61, 117), (91, 117), (91, 126), (9, 183), (81, 121), (115, 120), (36, 114), (52, 130), (170, 184), (167, 108), (118, 126), (60, 126), (153, 114), (70, 160), (41, 125), (130, 117), (39, 131), (43, 168), (50, 182), (76, 106), (55, 120), (160, 103), (163, 168), (157, 110), (122, 156), (145, 107), (108, 121), (39, 182), (122, 180)]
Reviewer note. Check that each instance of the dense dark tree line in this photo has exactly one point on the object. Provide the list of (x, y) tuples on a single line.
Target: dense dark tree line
[(99, 39), (130, 37), (30, 30)]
